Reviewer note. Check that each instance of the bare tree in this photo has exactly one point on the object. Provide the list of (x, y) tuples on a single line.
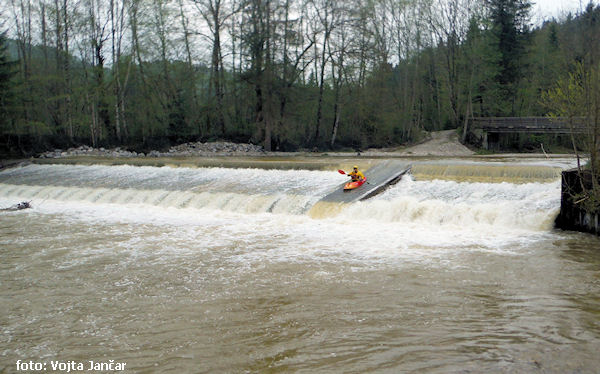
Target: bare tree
[(215, 14), (338, 51), (93, 58), (328, 16), (194, 112), (66, 68), (118, 10), (294, 50), (256, 35), (449, 21)]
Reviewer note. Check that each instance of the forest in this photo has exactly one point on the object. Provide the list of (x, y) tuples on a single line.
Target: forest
[(285, 74)]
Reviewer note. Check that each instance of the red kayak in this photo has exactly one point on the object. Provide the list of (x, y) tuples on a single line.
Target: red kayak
[(353, 185)]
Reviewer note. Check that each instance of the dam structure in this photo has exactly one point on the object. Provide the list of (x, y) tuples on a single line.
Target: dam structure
[(316, 193), (454, 266)]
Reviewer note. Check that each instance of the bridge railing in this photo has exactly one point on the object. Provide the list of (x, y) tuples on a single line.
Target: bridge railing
[(529, 125)]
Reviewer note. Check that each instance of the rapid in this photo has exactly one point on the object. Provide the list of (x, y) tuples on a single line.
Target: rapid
[(455, 268)]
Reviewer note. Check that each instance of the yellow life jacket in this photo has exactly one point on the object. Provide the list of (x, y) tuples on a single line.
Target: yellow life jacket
[(356, 175)]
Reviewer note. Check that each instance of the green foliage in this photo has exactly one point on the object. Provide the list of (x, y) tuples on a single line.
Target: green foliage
[(396, 75), (566, 98), (577, 97)]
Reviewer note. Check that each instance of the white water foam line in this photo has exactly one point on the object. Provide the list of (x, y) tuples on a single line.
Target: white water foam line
[(531, 206), (239, 205), (226, 201), (248, 181), (405, 215), (268, 237)]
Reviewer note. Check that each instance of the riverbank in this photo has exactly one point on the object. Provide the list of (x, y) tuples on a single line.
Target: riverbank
[(442, 145), (438, 144)]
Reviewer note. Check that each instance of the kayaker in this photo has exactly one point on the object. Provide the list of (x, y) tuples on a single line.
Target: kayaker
[(356, 174)]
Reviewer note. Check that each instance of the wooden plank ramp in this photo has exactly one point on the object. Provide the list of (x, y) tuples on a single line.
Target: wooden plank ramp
[(379, 178)]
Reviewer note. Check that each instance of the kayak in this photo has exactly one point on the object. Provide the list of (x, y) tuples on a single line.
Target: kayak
[(353, 185)]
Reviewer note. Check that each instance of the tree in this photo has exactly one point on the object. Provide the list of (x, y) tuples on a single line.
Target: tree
[(285, 73), (93, 55), (215, 15), (509, 25), (338, 51), (192, 117), (257, 35), (450, 22), (327, 18), (7, 72), (577, 97), (118, 28)]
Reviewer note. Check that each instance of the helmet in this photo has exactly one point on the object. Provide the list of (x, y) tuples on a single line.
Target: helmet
[(355, 167)]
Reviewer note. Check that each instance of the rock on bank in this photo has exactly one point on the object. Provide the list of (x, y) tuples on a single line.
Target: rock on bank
[(181, 150)]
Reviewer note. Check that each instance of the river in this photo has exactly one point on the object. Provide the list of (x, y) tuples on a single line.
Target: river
[(232, 270)]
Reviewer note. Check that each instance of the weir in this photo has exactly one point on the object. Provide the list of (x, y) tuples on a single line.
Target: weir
[(437, 191), (486, 173)]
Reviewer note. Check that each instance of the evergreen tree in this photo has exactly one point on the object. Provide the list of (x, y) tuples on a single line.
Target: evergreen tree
[(481, 66), (510, 27)]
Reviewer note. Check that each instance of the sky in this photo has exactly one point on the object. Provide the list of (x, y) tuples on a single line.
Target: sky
[(544, 9)]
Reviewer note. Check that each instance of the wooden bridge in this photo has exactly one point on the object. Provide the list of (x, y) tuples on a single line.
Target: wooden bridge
[(490, 127)]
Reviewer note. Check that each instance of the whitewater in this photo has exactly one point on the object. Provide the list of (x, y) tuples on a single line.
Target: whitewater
[(227, 269)]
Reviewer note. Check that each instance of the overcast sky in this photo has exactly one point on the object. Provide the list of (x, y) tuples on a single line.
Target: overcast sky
[(555, 8)]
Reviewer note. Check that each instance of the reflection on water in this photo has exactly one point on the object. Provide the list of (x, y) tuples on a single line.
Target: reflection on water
[(189, 289)]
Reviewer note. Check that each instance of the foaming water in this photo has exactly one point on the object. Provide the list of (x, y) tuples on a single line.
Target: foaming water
[(409, 218), (531, 206), (173, 179), (223, 270), (238, 190)]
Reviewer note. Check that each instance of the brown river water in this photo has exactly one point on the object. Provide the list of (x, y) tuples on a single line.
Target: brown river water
[(455, 269)]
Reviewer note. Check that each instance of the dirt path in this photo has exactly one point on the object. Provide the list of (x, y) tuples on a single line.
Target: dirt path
[(441, 143)]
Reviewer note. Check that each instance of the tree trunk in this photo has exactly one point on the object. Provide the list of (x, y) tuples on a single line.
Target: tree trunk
[(67, 72), (190, 67), (321, 89), (337, 81), (115, 71), (138, 56), (328, 27)]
